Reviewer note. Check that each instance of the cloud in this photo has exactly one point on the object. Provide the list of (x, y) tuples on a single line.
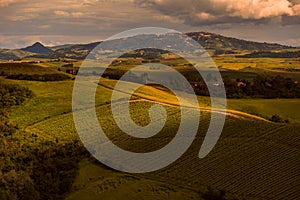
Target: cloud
[(296, 9), (45, 26), (8, 2), (77, 14), (82, 21), (20, 17), (197, 12), (292, 42), (61, 13), (258, 9), (15, 41)]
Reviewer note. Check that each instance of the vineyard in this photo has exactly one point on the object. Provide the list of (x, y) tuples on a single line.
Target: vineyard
[(253, 159)]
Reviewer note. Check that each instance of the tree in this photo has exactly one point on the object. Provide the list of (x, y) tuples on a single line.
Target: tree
[(18, 185)]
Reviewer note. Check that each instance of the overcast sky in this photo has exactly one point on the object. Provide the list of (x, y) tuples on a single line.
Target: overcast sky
[(55, 22)]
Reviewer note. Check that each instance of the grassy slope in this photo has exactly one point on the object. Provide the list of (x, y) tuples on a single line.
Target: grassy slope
[(45, 104), (94, 182), (285, 108)]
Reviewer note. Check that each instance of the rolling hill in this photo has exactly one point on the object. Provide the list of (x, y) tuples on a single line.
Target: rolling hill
[(253, 159), (215, 41), (76, 51), (8, 54)]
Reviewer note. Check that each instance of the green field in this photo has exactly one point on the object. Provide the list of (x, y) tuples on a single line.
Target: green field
[(285, 108), (273, 66)]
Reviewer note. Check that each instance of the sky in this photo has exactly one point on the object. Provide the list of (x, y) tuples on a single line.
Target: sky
[(56, 22)]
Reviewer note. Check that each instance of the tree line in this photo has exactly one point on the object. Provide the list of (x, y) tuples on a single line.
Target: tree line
[(267, 87), (263, 87), (269, 54), (30, 167), (39, 77)]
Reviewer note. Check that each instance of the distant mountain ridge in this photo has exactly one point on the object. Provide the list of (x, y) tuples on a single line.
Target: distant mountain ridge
[(37, 48), (216, 41), (209, 41), (75, 51)]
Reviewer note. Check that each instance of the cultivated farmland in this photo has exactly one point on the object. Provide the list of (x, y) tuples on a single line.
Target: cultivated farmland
[(254, 158)]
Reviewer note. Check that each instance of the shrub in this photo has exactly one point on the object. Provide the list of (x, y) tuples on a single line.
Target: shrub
[(212, 194), (276, 118)]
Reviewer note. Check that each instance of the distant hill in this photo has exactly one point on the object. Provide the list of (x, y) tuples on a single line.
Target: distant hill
[(209, 41), (7, 54), (215, 42), (63, 46), (89, 46), (75, 51), (37, 48)]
